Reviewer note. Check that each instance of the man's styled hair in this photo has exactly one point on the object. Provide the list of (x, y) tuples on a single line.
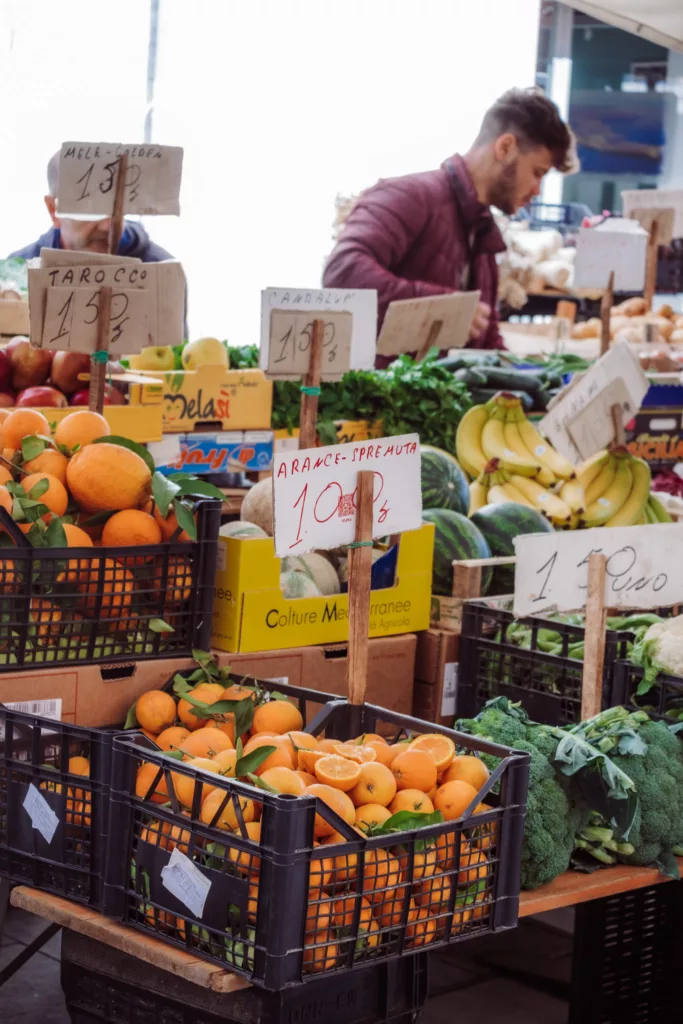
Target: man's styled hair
[(53, 174), (534, 120)]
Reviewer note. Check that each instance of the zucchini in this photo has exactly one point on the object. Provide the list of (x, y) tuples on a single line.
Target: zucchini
[(512, 380), (467, 358)]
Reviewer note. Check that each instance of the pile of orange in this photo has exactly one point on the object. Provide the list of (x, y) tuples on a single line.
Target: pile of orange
[(365, 781), (75, 479)]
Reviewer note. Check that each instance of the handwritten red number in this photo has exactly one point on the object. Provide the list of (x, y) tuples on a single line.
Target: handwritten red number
[(383, 513), (302, 499), (336, 506)]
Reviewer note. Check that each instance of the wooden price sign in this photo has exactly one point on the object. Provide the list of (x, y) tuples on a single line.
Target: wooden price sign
[(624, 567), (417, 325), (347, 494), (314, 335), (88, 173)]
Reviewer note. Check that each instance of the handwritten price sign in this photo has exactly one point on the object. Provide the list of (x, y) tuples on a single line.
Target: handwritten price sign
[(644, 568), (291, 336), (72, 315), (315, 491), (87, 178)]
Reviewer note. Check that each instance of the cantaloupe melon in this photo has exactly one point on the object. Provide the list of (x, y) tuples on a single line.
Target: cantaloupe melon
[(257, 506), (297, 584), (240, 529), (344, 565), (316, 567)]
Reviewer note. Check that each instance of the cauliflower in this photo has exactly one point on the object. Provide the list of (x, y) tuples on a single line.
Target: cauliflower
[(660, 650)]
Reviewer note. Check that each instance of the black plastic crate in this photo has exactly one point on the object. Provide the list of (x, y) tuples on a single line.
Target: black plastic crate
[(286, 910), (548, 685), (105, 984), (71, 606), (664, 700), (37, 765)]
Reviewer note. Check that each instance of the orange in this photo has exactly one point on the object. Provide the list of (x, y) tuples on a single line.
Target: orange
[(55, 497), (485, 836), (225, 723), (131, 528), (79, 766), (319, 875), (345, 865), (284, 780), (355, 753), (453, 799), (277, 716), (411, 800), (105, 476), (246, 861), (116, 586), (45, 617), (376, 785), (328, 746), (49, 461), (226, 761), (184, 784), (6, 499), (309, 780), (391, 907), (8, 577), (414, 769), (171, 738), (338, 801), (319, 917), (473, 868), (76, 538), (434, 893), (227, 819), (155, 711), (278, 758), (207, 693), (336, 771), (297, 740), (441, 748), (369, 737), (323, 955), (368, 815), (169, 525), (344, 912), (384, 754), (424, 862), (81, 428), (422, 928), (179, 580), (144, 779), (4, 413), (238, 692), (205, 743), (305, 759), (174, 836), (23, 423), (382, 871), (467, 768)]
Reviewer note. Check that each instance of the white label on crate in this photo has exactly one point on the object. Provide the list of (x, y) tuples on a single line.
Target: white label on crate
[(43, 818), (166, 451), (450, 687), (282, 680), (186, 882), (44, 708)]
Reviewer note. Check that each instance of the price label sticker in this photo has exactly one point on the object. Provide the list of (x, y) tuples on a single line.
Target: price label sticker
[(43, 818), (87, 179), (314, 492), (287, 315), (186, 882), (644, 568)]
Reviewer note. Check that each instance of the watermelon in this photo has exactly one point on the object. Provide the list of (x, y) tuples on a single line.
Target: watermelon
[(444, 485), (455, 537), (500, 524)]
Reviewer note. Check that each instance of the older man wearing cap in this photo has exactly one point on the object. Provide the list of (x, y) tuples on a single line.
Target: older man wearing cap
[(89, 233)]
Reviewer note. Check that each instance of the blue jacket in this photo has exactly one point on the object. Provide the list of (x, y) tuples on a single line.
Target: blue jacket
[(134, 242)]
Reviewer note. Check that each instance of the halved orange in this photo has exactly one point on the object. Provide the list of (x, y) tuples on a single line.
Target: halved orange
[(305, 759), (442, 748), (356, 752), (338, 772)]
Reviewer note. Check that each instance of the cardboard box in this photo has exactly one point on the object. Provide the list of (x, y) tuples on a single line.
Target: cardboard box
[(250, 613), (391, 666), (436, 676), (93, 695), (233, 451), (13, 317), (656, 435), (136, 422), (227, 399), (347, 431)]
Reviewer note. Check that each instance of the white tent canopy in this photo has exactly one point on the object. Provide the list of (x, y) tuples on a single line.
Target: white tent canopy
[(661, 21)]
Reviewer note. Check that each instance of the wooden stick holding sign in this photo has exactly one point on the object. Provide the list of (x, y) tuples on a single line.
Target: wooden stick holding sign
[(594, 646), (310, 389), (434, 332), (651, 264), (606, 303), (99, 358), (618, 424), (360, 570)]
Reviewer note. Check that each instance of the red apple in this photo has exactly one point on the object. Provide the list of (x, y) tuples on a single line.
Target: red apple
[(30, 366), (7, 399), (5, 370), (112, 396), (42, 396), (66, 367)]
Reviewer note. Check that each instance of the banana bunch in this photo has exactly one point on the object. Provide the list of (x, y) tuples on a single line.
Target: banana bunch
[(616, 485), (496, 484)]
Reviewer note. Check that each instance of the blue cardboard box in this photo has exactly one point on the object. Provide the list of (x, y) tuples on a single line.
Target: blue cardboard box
[(231, 451)]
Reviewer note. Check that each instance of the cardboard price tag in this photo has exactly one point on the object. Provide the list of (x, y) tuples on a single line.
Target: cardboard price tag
[(314, 492), (579, 422), (656, 199), (287, 315), (603, 250), (415, 325), (87, 179), (644, 568), (72, 315)]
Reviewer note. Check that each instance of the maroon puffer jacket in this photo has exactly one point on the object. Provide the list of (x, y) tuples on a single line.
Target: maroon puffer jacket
[(423, 234)]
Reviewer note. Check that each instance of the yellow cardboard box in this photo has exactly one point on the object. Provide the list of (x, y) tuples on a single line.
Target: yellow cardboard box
[(347, 431), (251, 614), (138, 422), (229, 399)]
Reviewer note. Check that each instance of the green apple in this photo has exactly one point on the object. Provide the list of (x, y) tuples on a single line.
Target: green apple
[(204, 352), (154, 357)]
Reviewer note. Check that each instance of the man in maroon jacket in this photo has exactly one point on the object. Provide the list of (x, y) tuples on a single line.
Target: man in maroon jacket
[(433, 232)]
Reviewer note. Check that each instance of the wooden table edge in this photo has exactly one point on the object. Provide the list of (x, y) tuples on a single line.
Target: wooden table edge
[(573, 887)]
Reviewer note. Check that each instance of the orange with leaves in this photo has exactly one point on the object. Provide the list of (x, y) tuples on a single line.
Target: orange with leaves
[(155, 711)]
